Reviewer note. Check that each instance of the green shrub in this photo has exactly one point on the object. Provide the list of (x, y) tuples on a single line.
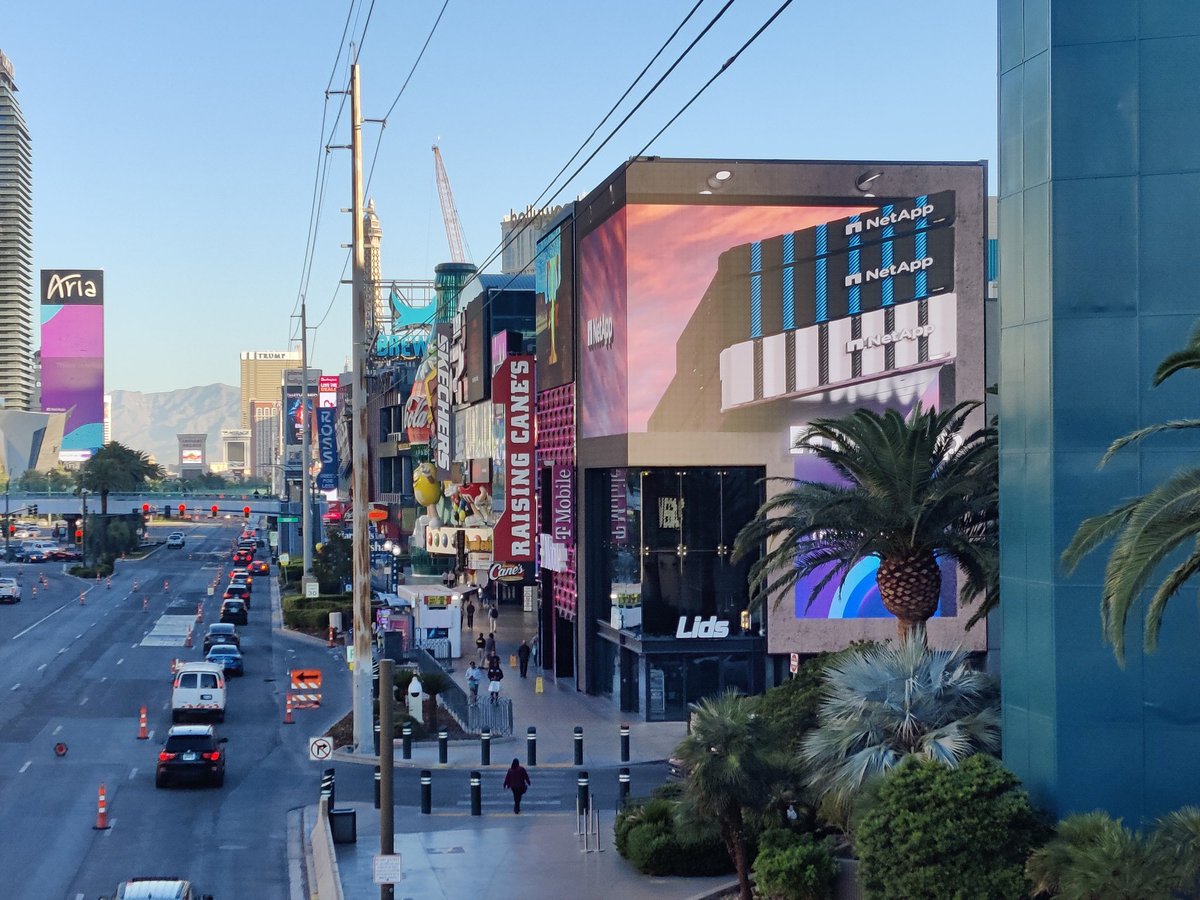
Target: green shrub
[(931, 831), (793, 867), (313, 615), (649, 834)]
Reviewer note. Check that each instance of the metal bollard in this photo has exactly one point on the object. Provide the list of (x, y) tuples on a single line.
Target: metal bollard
[(583, 797), (327, 787), (378, 780), (579, 745), (476, 794), (485, 747), (443, 746), (426, 792), (377, 739), (531, 745), (623, 793), (406, 741), (624, 742)]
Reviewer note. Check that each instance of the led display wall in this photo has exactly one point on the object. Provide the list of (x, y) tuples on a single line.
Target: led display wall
[(555, 306), (72, 302)]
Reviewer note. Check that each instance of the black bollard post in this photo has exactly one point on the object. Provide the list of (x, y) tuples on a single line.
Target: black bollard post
[(406, 744), (476, 794), (376, 738), (377, 783), (531, 745), (582, 800), (579, 745), (443, 746), (327, 788), (623, 795), (426, 792), (624, 742), (485, 747)]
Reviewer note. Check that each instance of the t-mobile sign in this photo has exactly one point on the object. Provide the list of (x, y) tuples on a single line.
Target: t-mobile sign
[(562, 503)]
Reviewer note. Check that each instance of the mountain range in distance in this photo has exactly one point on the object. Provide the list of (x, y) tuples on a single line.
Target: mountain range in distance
[(150, 422)]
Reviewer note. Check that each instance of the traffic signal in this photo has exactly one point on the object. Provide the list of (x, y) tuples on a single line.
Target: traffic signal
[(12, 529), (145, 509), (78, 535), (214, 510), (182, 508), (33, 509), (245, 512)]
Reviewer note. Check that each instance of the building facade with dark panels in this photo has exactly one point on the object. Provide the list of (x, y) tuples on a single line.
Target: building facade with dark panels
[(716, 307)]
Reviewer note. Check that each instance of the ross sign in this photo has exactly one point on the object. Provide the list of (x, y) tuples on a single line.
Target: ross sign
[(386, 868), (562, 503), (512, 399), (712, 627), (794, 665), (327, 449), (320, 748)]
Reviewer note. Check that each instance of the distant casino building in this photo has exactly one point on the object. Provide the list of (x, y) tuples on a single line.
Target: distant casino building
[(262, 376)]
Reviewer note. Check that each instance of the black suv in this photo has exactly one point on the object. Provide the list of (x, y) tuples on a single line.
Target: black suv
[(221, 633), (234, 612), (191, 753)]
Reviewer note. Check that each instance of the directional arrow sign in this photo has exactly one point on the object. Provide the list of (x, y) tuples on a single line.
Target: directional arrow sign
[(320, 748)]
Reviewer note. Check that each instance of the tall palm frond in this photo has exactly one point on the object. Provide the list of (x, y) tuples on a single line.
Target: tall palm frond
[(1187, 358)]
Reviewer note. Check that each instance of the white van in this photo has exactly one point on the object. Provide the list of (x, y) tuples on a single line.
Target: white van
[(199, 691)]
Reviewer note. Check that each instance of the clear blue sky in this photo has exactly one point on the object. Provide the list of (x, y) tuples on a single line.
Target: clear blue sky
[(175, 144)]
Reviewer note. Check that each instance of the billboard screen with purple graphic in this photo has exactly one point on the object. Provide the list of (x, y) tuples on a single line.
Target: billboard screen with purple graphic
[(72, 303)]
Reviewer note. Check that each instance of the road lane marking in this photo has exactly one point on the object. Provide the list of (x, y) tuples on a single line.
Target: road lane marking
[(26, 766), (63, 650), (42, 666), (15, 686), (121, 660), (78, 636), (39, 622), (56, 730), (132, 773), (83, 701)]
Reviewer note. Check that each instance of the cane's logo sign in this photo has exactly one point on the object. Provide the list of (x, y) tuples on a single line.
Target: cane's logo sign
[(61, 286), (506, 572)]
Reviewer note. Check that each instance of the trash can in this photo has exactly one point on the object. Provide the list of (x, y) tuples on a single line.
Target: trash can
[(343, 825)]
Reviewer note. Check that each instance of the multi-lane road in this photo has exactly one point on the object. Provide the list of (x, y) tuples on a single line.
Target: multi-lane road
[(76, 674)]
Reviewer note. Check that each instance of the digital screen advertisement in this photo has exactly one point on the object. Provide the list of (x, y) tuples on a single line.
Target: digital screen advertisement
[(72, 354), (554, 307)]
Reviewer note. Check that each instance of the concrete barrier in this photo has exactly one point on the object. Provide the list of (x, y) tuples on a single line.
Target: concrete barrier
[(328, 881)]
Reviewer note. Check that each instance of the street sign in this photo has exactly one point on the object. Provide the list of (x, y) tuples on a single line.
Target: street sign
[(795, 664), (289, 518), (312, 590), (284, 559), (320, 748), (386, 869)]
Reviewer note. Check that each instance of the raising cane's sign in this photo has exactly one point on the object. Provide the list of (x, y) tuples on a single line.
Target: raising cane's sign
[(514, 534)]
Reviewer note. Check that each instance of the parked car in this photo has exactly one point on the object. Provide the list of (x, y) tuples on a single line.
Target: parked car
[(228, 657), (221, 633), (175, 540), (10, 590), (191, 753), (234, 612), (154, 887)]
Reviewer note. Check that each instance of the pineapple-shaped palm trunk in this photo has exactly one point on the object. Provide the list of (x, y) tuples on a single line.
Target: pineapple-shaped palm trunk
[(910, 587)]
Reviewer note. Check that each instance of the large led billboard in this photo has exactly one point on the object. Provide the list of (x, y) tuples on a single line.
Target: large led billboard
[(554, 306), (72, 356), (722, 306)]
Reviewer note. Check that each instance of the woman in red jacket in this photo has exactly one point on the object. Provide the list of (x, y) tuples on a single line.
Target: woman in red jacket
[(516, 779)]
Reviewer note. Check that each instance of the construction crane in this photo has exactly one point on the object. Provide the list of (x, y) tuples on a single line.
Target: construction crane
[(449, 213)]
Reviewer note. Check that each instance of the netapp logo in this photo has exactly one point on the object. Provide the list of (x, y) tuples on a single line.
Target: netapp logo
[(891, 271), (882, 340), (895, 217), (600, 331), (71, 285)]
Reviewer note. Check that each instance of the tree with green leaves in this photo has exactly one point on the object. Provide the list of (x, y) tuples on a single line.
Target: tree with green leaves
[(734, 767), (889, 701), (1095, 857), (909, 491), (1146, 529), (115, 467)]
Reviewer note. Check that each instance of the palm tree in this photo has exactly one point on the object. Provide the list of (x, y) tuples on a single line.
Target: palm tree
[(913, 491), (1147, 528), (115, 467), (733, 768), (888, 701), (1094, 857)]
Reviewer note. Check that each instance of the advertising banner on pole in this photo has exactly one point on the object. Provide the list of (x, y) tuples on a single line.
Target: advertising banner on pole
[(514, 533), (327, 478)]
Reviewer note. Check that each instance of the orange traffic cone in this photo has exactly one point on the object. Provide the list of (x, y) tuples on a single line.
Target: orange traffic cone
[(145, 604), (143, 734), (187, 641), (83, 598), (101, 811), (329, 643), (200, 611), (287, 716)]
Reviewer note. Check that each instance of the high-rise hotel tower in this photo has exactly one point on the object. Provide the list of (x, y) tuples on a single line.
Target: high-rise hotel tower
[(16, 248)]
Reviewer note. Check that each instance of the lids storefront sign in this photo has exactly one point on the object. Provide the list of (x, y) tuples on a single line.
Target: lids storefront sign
[(712, 627)]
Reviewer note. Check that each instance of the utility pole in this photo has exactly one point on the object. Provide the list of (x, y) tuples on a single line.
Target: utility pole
[(306, 536), (361, 709)]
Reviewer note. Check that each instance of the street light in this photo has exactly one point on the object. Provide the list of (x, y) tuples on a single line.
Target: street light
[(83, 495), (395, 567)]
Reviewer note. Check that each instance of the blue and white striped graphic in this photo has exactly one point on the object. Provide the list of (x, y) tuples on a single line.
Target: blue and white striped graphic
[(756, 289), (887, 289), (920, 280), (820, 289), (789, 282)]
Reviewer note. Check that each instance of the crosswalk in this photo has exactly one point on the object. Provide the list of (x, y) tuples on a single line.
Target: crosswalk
[(169, 631)]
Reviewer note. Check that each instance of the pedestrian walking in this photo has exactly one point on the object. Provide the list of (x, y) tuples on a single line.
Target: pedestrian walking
[(470, 614), (490, 646), (516, 779), (523, 653), (480, 644), (474, 676), (493, 615), (494, 685), (534, 647)]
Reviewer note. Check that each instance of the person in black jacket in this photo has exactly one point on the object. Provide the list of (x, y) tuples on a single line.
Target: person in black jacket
[(516, 779), (523, 653)]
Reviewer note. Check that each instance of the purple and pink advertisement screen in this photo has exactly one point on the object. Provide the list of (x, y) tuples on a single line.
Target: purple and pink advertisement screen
[(73, 371)]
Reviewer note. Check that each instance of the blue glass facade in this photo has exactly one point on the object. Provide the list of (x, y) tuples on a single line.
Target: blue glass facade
[(1099, 166)]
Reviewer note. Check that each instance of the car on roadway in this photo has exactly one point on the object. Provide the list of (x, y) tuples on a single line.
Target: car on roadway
[(235, 612), (10, 590), (191, 753), (242, 557), (221, 633), (156, 888), (175, 540), (65, 554), (37, 556), (259, 567), (236, 591), (228, 657), (243, 577)]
